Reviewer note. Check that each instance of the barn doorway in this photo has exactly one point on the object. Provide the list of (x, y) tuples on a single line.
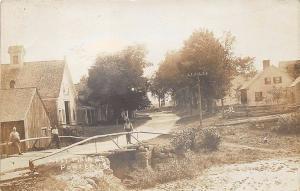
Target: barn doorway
[(67, 110)]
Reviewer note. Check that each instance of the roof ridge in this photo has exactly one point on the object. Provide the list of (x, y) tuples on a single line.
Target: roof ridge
[(46, 76), (19, 88), (28, 62), (29, 104), (50, 61), (250, 82)]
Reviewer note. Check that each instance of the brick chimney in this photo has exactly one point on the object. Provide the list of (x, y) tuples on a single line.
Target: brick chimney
[(16, 54), (266, 64)]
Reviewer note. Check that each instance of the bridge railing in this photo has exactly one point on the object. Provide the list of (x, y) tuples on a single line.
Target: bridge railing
[(4, 147), (94, 138), (40, 138)]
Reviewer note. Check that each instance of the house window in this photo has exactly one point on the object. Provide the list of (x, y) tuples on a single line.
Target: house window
[(15, 59), (12, 84), (258, 96), (277, 80), (267, 80)]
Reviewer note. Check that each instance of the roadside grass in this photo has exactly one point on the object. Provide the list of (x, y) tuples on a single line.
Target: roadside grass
[(193, 161), (184, 158)]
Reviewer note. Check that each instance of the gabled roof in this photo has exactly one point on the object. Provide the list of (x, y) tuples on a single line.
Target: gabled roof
[(248, 83), (258, 75), (296, 82), (14, 103), (46, 76)]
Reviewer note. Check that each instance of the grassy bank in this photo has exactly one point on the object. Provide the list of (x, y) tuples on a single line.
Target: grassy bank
[(241, 143)]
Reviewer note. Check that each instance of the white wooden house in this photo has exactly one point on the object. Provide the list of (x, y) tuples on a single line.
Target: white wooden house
[(263, 88)]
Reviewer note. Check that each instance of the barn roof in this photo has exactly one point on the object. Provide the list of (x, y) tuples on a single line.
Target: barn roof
[(15, 103), (46, 76)]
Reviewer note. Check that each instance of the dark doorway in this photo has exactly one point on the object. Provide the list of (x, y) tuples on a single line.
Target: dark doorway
[(244, 96), (67, 110)]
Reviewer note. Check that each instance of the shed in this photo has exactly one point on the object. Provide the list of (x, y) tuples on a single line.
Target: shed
[(23, 108), (296, 91)]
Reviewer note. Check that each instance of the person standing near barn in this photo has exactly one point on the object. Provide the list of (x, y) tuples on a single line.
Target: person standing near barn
[(128, 128), (55, 137), (14, 137)]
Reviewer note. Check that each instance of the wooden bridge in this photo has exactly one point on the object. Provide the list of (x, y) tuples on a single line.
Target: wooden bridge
[(95, 140)]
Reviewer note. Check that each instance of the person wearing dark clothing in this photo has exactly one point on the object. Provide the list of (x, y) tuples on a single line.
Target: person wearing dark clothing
[(128, 128), (55, 137)]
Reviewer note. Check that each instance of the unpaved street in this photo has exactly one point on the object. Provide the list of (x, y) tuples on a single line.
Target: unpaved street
[(267, 175)]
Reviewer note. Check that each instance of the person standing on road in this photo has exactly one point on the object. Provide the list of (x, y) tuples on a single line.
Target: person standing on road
[(128, 128), (124, 115), (14, 137), (55, 137)]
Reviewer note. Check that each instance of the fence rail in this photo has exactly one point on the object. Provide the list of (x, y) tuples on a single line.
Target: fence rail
[(40, 138), (84, 140), (95, 138)]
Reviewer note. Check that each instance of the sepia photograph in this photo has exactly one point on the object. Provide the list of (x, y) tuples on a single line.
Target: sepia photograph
[(149, 95)]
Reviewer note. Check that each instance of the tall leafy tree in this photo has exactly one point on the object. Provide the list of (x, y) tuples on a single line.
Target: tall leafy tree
[(203, 52), (117, 80)]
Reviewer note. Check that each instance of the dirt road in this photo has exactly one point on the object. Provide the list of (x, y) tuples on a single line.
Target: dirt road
[(267, 175)]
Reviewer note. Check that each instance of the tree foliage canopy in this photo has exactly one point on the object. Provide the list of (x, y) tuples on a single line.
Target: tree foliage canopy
[(117, 80), (203, 52)]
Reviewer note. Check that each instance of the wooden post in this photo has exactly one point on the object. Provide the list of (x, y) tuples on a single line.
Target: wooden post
[(222, 102), (200, 103), (198, 75)]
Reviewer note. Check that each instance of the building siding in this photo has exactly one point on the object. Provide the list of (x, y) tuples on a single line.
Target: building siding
[(259, 86), (36, 120), (67, 94)]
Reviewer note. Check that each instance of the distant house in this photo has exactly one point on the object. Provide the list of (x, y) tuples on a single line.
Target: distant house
[(295, 89), (233, 96), (86, 113), (292, 67), (52, 80), (264, 88), (24, 109)]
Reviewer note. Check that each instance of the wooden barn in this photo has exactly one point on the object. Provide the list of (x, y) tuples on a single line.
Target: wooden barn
[(22, 108), (51, 78)]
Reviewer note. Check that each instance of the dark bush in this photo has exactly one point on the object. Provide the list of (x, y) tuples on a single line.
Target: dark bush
[(288, 124), (211, 139), (184, 140), (196, 139)]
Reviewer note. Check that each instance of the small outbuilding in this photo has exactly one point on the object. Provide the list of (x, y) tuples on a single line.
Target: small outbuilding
[(22, 108), (295, 88)]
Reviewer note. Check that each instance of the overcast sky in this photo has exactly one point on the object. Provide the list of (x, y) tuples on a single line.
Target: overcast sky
[(81, 29)]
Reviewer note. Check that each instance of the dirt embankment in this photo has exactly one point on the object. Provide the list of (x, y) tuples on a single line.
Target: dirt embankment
[(267, 175), (73, 174), (243, 145)]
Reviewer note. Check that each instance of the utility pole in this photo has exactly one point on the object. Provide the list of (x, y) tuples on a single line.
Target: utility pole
[(200, 101), (199, 75)]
